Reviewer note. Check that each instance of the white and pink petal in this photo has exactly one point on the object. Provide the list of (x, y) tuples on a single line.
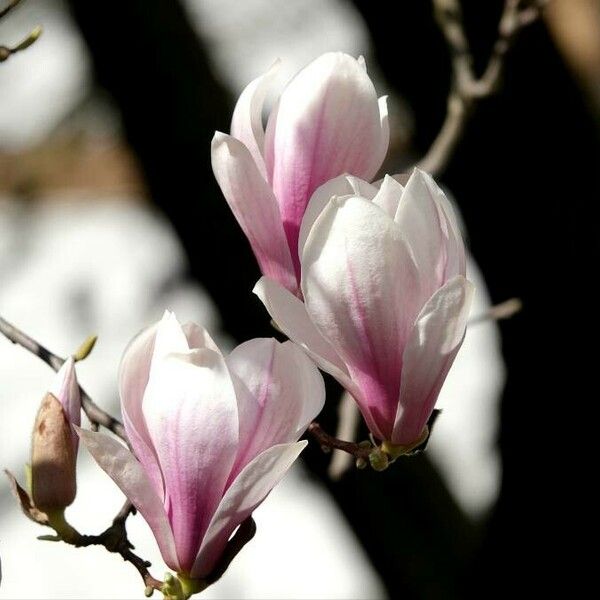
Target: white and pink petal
[(246, 492), (433, 344), (254, 206), (123, 468)]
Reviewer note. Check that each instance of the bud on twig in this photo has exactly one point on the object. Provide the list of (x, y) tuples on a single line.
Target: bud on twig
[(53, 458)]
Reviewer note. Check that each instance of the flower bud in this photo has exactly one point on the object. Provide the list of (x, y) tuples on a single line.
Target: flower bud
[(53, 458)]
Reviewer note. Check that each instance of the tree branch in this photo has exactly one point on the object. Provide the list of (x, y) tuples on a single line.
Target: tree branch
[(466, 89), (93, 412), (12, 4)]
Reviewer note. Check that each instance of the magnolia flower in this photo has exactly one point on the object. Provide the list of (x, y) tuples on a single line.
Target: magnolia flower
[(212, 435), (385, 297), (327, 121)]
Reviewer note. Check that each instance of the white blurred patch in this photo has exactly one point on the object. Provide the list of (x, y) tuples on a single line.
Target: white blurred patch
[(463, 444), (41, 86), (297, 31)]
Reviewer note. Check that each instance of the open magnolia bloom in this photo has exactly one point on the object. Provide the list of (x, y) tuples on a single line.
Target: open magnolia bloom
[(327, 121), (212, 434), (386, 301)]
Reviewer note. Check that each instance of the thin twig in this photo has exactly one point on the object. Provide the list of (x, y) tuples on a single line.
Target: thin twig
[(115, 540), (93, 412), (12, 4), (328, 442), (498, 312), (467, 89)]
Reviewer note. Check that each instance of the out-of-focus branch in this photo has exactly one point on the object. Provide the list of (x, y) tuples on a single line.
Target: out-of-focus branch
[(93, 412), (467, 89), (12, 4), (498, 312), (7, 51)]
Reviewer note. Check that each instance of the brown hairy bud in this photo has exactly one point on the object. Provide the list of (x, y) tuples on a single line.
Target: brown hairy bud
[(53, 458)]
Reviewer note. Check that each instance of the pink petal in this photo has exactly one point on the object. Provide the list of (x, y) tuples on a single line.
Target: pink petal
[(191, 414), (344, 185), (246, 123), (279, 391), (328, 122), (133, 378), (66, 390), (248, 490), (432, 346), (362, 291), (122, 467), (255, 208), (291, 317)]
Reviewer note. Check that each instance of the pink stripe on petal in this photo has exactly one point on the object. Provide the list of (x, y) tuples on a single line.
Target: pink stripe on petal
[(362, 291), (191, 414), (328, 123)]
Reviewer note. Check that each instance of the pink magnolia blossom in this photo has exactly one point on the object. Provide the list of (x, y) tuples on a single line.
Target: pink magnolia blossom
[(327, 121), (212, 435), (385, 297)]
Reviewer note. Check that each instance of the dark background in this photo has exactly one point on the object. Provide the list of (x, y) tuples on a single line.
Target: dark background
[(525, 176)]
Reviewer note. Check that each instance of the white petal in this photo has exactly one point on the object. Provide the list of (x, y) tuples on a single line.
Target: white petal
[(432, 346), (122, 467), (344, 185), (279, 391), (246, 123), (255, 208), (425, 217), (291, 317), (388, 196), (381, 151), (134, 372), (248, 490), (170, 338), (197, 337)]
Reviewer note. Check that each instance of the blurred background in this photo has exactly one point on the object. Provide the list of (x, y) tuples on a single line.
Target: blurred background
[(109, 214)]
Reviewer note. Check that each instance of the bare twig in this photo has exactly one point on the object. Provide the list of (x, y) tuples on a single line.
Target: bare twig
[(94, 413), (12, 4), (8, 51), (328, 443), (347, 428), (498, 312), (467, 89)]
